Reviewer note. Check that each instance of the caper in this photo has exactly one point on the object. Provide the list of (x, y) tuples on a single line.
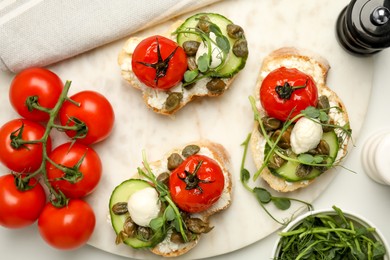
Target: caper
[(174, 160), (190, 150), (198, 226), (177, 238), (120, 237), (216, 86), (173, 100), (144, 233), (240, 48), (323, 103), (119, 208), (191, 63), (163, 177), (322, 148), (284, 141), (276, 161), (234, 31), (191, 47), (204, 24), (129, 227), (303, 170), (271, 123), (189, 86)]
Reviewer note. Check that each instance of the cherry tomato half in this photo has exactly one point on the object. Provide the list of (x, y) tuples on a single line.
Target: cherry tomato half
[(159, 62), (68, 227), (69, 155), (195, 190), (28, 157), (40, 83), (298, 91), (94, 110), (20, 208)]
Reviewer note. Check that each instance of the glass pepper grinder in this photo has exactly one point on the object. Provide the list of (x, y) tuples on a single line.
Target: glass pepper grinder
[(363, 27)]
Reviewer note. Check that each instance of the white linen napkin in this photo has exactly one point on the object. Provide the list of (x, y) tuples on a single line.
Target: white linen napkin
[(42, 32)]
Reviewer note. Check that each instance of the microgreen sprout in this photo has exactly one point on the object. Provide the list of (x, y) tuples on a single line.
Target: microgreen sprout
[(171, 213), (261, 194), (204, 61), (317, 115), (330, 236)]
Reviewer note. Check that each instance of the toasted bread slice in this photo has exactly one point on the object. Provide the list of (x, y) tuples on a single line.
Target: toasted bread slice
[(154, 98), (217, 152), (316, 66)]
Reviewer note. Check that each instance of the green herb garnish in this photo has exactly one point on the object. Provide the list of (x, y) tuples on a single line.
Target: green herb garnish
[(312, 113), (330, 236), (171, 213), (204, 61), (261, 194)]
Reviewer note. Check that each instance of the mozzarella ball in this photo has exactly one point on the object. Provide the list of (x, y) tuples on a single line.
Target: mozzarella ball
[(144, 206), (305, 135)]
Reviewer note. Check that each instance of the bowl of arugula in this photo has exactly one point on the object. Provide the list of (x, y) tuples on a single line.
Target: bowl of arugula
[(330, 234)]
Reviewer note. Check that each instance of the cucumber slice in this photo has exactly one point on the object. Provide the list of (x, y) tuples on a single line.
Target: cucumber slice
[(233, 64), (122, 193), (288, 170)]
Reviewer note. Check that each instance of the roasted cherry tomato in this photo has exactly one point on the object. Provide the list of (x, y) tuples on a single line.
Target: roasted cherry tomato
[(94, 110), (35, 85), (20, 208), (196, 184), (83, 173), (285, 92), (22, 158), (159, 62), (68, 227)]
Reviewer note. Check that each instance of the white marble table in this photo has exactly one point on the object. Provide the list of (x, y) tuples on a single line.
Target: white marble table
[(351, 78)]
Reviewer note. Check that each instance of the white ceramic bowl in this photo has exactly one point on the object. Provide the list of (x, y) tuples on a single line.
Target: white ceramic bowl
[(351, 216)]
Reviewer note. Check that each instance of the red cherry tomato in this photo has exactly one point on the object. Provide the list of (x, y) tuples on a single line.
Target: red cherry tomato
[(158, 50), (196, 190), (41, 83), (282, 107), (94, 110), (20, 208), (69, 155), (26, 158), (68, 227)]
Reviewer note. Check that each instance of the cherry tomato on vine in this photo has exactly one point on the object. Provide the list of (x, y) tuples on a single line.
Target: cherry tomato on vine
[(196, 184), (159, 62), (22, 158), (285, 92), (86, 169), (43, 85), (20, 208), (94, 110), (68, 227)]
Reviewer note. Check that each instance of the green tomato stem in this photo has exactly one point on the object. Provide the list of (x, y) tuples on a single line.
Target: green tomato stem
[(55, 196)]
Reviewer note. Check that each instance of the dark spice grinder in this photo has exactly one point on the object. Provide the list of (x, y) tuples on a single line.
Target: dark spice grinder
[(363, 27)]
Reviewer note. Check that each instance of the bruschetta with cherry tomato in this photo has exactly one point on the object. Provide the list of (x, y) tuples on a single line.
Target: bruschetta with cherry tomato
[(302, 127), (166, 207), (196, 58)]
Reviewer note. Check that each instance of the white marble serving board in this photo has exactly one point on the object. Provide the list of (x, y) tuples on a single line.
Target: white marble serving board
[(228, 119)]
